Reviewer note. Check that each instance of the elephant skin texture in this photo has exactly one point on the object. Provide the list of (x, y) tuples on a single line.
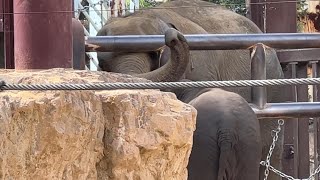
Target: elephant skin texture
[(198, 17), (227, 142)]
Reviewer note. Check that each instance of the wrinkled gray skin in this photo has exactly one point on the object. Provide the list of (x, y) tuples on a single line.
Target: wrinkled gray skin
[(205, 65), (179, 59), (226, 142)]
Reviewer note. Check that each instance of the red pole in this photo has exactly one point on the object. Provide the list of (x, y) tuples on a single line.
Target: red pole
[(43, 34)]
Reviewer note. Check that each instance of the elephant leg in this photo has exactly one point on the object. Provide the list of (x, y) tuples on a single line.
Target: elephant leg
[(203, 161)]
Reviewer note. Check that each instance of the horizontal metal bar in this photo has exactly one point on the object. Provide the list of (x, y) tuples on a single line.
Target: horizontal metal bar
[(288, 110), (298, 55), (143, 43)]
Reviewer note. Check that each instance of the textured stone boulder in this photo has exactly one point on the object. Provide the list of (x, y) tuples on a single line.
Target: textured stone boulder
[(116, 134)]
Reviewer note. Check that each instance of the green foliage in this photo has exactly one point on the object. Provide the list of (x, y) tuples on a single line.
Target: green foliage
[(147, 3), (301, 10), (144, 3), (238, 6)]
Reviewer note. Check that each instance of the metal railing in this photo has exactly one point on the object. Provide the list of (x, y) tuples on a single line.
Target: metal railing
[(99, 11), (254, 42)]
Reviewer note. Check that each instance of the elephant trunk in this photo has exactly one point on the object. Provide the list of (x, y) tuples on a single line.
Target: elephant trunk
[(133, 63), (179, 60)]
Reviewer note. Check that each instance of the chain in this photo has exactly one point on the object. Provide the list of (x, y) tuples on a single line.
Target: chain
[(315, 172), (275, 139), (266, 163)]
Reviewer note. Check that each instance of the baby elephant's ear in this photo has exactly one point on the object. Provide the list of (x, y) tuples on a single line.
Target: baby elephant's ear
[(172, 26)]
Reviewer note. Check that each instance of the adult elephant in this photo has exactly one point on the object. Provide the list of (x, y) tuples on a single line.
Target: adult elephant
[(197, 17)]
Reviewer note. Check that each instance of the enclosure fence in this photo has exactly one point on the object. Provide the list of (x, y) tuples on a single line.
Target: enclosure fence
[(296, 52), (303, 54)]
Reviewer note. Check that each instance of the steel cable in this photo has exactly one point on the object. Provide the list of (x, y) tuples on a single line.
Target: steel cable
[(161, 85)]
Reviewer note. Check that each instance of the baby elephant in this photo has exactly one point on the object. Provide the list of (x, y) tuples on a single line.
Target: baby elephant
[(226, 142)]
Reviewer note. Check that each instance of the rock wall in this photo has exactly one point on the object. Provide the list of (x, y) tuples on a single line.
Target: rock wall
[(118, 134)]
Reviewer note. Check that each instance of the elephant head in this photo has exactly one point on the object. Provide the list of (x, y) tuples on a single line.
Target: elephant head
[(146, 65)]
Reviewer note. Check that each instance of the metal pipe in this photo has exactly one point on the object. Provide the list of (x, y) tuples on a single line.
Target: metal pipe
[(295, 122), (8, 34), (288, 110), (314, 65), (143, 43), (42, 41), (78, 58), (258, 72)]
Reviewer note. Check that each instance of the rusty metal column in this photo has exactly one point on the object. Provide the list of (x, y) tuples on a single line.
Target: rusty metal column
[(43, 34)]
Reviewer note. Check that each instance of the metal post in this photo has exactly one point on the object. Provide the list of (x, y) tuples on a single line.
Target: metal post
[(1, 16), (2, 63), (43, 35), (303, 125), (314, 65), (296, 125), (78, 57), (288, 146), (8, 34), (258, 72)]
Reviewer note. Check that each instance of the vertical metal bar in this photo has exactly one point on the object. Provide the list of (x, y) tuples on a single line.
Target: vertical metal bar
[(78, 57), (1, 15), (1, 36), (315, 120), (295, 126), (303, 126), (42, 40), (287, 161), (318, 126), (8, 34), (2, 62), (258, 72), (248, 7)]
